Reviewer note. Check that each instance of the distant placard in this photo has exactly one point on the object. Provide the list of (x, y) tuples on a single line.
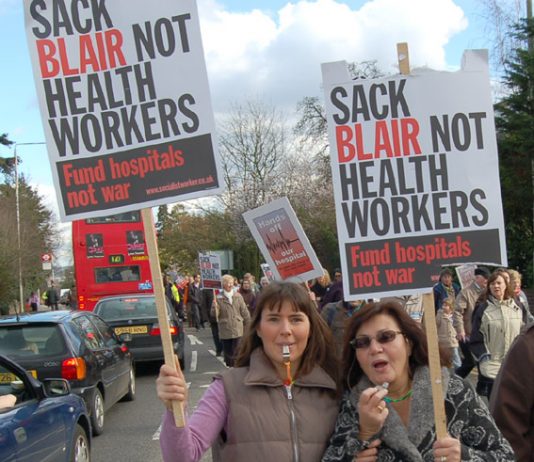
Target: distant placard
[(125, 103), (210, 271), (282, 241), (416, 175)]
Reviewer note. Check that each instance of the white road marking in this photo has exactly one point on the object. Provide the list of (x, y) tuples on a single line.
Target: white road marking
[(194, 340), (218, 358), (204, 386), (194, 358)]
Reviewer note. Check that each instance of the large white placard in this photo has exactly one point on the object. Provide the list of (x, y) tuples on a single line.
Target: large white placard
[(125, 103), (415, 171)]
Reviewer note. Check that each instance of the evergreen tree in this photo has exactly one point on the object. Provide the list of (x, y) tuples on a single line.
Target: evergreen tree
[(515, 129)]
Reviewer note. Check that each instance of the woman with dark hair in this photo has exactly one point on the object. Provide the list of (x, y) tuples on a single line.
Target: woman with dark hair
[(279, 402), (387, 411), (497, 321)]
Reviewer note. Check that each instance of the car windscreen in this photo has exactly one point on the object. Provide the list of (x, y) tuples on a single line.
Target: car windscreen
[(126, 308), (31, 341)]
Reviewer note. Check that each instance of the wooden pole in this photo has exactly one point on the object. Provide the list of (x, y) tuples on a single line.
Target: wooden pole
[(403, 58), (159, 294), (429, 314), (429, 318)]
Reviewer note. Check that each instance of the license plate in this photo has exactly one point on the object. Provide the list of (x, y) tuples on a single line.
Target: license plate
[(131, 330), (8, 377)]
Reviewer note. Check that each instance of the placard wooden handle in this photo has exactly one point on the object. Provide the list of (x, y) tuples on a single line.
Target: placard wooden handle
[(159, 294)]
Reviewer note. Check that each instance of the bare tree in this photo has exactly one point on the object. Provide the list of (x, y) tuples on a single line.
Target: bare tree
[(253, 148), (501, 16)]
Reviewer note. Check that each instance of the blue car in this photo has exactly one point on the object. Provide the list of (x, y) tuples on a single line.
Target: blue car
[(40, 420)]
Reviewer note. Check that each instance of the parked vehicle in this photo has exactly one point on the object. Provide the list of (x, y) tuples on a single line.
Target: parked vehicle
[(40, 420), (77, 346), (136, 314)]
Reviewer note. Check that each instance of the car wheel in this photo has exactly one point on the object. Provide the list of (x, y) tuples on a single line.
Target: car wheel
[(80, 451), (130, 395), (97, 413)]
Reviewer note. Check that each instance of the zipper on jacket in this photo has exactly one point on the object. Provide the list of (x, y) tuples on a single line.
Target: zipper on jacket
[(293, 424)]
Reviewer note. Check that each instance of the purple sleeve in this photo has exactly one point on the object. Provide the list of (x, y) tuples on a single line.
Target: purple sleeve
[(189, 444)]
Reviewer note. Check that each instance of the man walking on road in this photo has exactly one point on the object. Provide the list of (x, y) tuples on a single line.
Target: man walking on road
[(52, 297)]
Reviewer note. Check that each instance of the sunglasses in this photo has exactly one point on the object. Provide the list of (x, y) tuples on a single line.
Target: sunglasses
[(384, 336)]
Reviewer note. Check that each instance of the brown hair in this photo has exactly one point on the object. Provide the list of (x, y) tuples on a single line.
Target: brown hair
[(320, 350), (508, 292), (412, 331)]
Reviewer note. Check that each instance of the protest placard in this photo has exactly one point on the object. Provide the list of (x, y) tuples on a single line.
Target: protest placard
[(125, 103), (267, 272), (282, 241), (415, 173), (466, 274), (210, 271)]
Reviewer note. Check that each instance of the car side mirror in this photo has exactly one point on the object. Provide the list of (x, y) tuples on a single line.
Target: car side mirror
[(126, 337), (56, 387)]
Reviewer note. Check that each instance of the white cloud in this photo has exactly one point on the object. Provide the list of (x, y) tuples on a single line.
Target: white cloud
[(277, 58)]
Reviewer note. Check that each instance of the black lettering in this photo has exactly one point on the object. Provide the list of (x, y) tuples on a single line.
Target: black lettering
[(74, 95), (437, 173), (91, 133), (478, 116), (441, 130), (396, 98), (183, 31), (55, 95), (400, 206), (439, 210), (420, 212), (475, 197), (459, 204), (457, 121), (37, 17), (356, 215), (345, 113), (145, 82), (75, 10), (130, 125), (373, 101), (60, 18), (65, 133), (359, 103), (348, 180), (183, 102), (380, 219)]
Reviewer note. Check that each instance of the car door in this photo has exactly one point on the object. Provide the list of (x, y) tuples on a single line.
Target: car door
[(33, 429), (120, 357), (104, 363)]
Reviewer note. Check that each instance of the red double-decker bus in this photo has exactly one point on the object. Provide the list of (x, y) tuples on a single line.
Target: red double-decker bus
[(110, 257)]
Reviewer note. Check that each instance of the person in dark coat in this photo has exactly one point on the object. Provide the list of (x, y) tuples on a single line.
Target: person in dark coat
[(445, 288), (195, 300), (206, 302), (512, 398), (52, 297)]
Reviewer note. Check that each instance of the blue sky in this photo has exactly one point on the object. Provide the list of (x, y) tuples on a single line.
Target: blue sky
[(261, 49)]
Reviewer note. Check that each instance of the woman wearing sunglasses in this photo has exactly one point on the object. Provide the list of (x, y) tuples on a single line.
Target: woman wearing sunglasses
[(387, 412)]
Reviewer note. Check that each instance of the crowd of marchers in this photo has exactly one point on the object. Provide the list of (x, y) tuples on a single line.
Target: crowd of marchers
[(313, 377)]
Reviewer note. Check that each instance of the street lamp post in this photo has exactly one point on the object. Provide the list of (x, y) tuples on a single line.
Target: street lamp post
[(17, 207)]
